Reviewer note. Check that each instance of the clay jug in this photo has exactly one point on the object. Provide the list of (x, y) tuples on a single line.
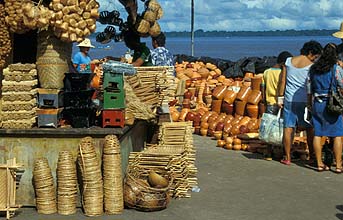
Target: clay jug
[(255, 97), (252, 110), (240, 107), (230, 96), (244, 93), (219, 92), (256, 82), (216, 105), (228, 108)]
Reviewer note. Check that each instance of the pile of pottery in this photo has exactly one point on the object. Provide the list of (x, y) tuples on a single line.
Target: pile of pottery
[(219, 107)]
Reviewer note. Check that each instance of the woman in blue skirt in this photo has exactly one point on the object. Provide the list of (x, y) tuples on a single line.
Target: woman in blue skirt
[(323, 74)]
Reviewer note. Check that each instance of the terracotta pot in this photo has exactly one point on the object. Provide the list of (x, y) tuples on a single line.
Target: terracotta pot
[(186, 103), (236, 119), (192, 90), (243, 129), (237, 141), (227, 128), (236, 147), (240, 107), (190, 116), (196, 119), (203, 132), (219, 126), (197, 130), (221, 143), (244, 93), (221, 117), (244, 121), (188, 83), (248, 75), (204, 125), (230, 96), (256, 82), (212, 125), (205, 117), (207, 91), (219, 92), (218, 135), (210, 132), (216, 105), (228, 108), (252, 110), (261, 109), (172, 103), (253, 124), (208, 99), (255, 97), (175, 115), (235, 130), (201, 111), (228, 146), (187, 95), (228, 119), (212, 118), (183, 114)]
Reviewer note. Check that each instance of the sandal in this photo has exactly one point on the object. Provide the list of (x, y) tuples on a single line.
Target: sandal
[(338, 170), (323, 168), (286, 162)]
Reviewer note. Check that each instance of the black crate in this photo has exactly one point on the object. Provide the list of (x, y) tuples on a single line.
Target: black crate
[(80, 99), (80, 117), (77, 81)]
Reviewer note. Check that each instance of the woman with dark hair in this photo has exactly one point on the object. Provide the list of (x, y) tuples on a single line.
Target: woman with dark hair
[(141, 54), (323, 74), (293, 86)]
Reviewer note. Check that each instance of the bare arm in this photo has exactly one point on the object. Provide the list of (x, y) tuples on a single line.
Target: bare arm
[(282, 82), (138, 62)]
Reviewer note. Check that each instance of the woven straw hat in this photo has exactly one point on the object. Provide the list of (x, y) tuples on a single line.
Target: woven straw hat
[(85, 43), (339, 34)]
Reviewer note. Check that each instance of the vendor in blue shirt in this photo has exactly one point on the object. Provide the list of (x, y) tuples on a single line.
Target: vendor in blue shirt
[(82, 60)]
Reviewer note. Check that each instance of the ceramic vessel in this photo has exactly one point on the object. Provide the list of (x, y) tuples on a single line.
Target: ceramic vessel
[(218, 134), (244, 93), (228, 108), (240, 107), (230, 96), (203, 132), (219, 92), (216, 105), (256, 82), (220, 143), (252, 110), (255, 97)]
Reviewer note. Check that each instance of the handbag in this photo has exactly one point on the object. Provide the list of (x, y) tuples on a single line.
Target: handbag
[(271, 128), (335, 103)]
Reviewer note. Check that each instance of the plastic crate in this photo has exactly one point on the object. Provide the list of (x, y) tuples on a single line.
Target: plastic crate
[(77, 81), (49, 117), (50, 98), (80, 117), (80, 99), (113, 118), (113, 81), (113, 100)]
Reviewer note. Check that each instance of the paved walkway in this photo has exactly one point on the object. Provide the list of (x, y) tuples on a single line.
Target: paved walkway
[(242, 186)]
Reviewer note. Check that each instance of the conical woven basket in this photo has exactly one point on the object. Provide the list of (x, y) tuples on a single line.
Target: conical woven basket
[(53, 57)]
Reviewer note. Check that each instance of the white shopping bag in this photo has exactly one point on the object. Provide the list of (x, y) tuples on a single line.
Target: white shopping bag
[(271, 128)]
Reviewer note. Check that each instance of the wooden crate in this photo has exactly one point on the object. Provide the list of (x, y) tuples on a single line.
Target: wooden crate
[(8, 187)]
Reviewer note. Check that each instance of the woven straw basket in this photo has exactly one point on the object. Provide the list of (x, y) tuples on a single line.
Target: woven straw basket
[(53, 57)]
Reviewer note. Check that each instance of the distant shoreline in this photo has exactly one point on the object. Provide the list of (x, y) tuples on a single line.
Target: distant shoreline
[(202, 33), (289, 33)]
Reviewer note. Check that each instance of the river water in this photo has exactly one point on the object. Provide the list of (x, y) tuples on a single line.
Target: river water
[(227, 48)]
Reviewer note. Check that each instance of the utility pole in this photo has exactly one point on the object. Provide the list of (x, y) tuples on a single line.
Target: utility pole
[(192, 27)]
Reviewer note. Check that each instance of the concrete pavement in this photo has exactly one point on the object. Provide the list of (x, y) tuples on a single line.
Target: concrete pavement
[(242, 186)]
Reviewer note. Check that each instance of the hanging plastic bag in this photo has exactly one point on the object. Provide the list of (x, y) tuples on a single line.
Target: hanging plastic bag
[(271, 128)]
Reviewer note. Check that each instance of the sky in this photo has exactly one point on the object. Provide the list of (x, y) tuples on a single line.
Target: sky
[(243, 15)]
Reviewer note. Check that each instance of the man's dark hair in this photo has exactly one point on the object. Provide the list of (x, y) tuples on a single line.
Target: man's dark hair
[(283, 56), (160, 39), (311, 47)]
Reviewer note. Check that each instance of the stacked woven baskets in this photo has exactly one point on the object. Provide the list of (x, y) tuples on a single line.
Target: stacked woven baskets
[(66, 184), (92, 184), (44, 187), (112, 172)]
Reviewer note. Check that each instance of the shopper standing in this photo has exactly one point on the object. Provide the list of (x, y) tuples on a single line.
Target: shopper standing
[(160, 55), (293, 86), (271, 78), (325, 74)]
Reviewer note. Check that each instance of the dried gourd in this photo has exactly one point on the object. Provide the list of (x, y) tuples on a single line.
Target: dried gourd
[(74, 20), (5, 40)]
